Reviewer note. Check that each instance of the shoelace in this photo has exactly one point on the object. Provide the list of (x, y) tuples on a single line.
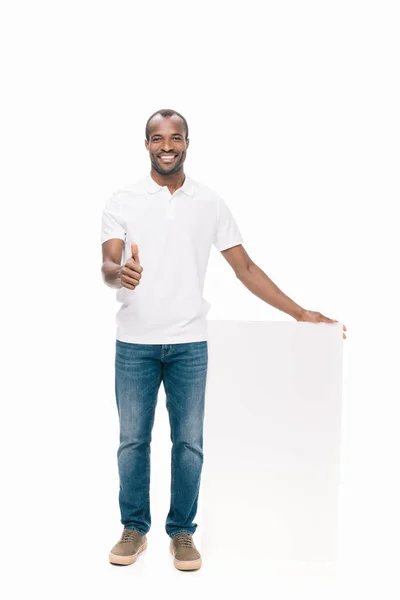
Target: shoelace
[(128, 535), (185, 539)]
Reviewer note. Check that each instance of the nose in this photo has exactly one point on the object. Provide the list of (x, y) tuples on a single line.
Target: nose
[(166, 146)]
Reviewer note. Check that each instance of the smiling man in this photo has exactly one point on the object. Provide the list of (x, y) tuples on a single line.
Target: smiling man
[(162, 228)]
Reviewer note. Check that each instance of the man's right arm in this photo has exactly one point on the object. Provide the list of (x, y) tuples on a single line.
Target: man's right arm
[(111, 267)]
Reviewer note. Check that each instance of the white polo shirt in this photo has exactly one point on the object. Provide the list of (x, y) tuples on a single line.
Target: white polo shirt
[(174, 234)]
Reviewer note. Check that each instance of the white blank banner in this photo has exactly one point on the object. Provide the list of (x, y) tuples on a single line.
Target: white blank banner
[(272, 440)]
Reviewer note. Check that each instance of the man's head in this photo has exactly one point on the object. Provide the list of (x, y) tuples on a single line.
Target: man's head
[(167, 138)]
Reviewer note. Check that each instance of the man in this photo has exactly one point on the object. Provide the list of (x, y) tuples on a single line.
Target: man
[(165, 224)]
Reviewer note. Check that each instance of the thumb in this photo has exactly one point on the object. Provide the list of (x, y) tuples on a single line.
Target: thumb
[(135, 252)]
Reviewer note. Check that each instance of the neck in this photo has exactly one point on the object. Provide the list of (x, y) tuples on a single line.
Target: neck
[(172, 180)]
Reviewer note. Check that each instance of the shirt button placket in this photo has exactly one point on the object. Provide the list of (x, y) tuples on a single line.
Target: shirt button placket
[(171, 207)]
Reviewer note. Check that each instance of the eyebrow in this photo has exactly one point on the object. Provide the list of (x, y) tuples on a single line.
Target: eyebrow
[(160, 134)]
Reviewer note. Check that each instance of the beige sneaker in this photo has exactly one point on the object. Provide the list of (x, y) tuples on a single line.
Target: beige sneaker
[(186, 556), (126, 551)]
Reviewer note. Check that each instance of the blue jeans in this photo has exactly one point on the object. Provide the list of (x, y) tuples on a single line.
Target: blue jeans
[(139, 370)]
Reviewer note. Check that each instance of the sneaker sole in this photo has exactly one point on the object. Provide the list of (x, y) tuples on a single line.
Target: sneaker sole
[(186, 565), (116, 559)]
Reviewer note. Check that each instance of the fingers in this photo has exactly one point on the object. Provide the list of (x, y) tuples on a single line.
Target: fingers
[(131, 272), (327, 319), (134, 262), (133, 267), (135, 252), (128, 285), (130, 277)]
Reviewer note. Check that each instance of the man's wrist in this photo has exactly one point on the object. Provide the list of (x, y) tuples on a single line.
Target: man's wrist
[(298, 313)]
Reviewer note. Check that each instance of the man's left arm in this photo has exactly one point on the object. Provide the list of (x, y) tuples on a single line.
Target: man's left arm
[(264, 288)]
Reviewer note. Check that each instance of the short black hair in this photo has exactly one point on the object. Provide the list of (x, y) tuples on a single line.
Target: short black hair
[(167, 112)]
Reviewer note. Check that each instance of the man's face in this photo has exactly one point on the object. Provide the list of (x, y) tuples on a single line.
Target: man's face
[(167, 145)]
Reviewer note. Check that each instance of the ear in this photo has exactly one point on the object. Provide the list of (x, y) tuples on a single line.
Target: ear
[(146, 143), (187, 143)]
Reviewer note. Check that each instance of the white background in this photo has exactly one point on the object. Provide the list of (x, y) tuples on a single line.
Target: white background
[(293, 118)]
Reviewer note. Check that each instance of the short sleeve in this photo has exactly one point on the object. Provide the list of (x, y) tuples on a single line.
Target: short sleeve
[(227, 230), (112, 224)]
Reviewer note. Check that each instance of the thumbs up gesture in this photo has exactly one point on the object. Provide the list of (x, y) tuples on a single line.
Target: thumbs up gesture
[(131, 272)]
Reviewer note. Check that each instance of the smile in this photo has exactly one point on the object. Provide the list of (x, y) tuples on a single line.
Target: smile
[(168, 158)]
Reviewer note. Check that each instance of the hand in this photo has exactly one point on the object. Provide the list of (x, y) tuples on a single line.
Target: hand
[(316, 317), (130, 273)]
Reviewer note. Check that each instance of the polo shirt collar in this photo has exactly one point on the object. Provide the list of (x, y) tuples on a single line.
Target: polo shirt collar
[(152, 186)]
